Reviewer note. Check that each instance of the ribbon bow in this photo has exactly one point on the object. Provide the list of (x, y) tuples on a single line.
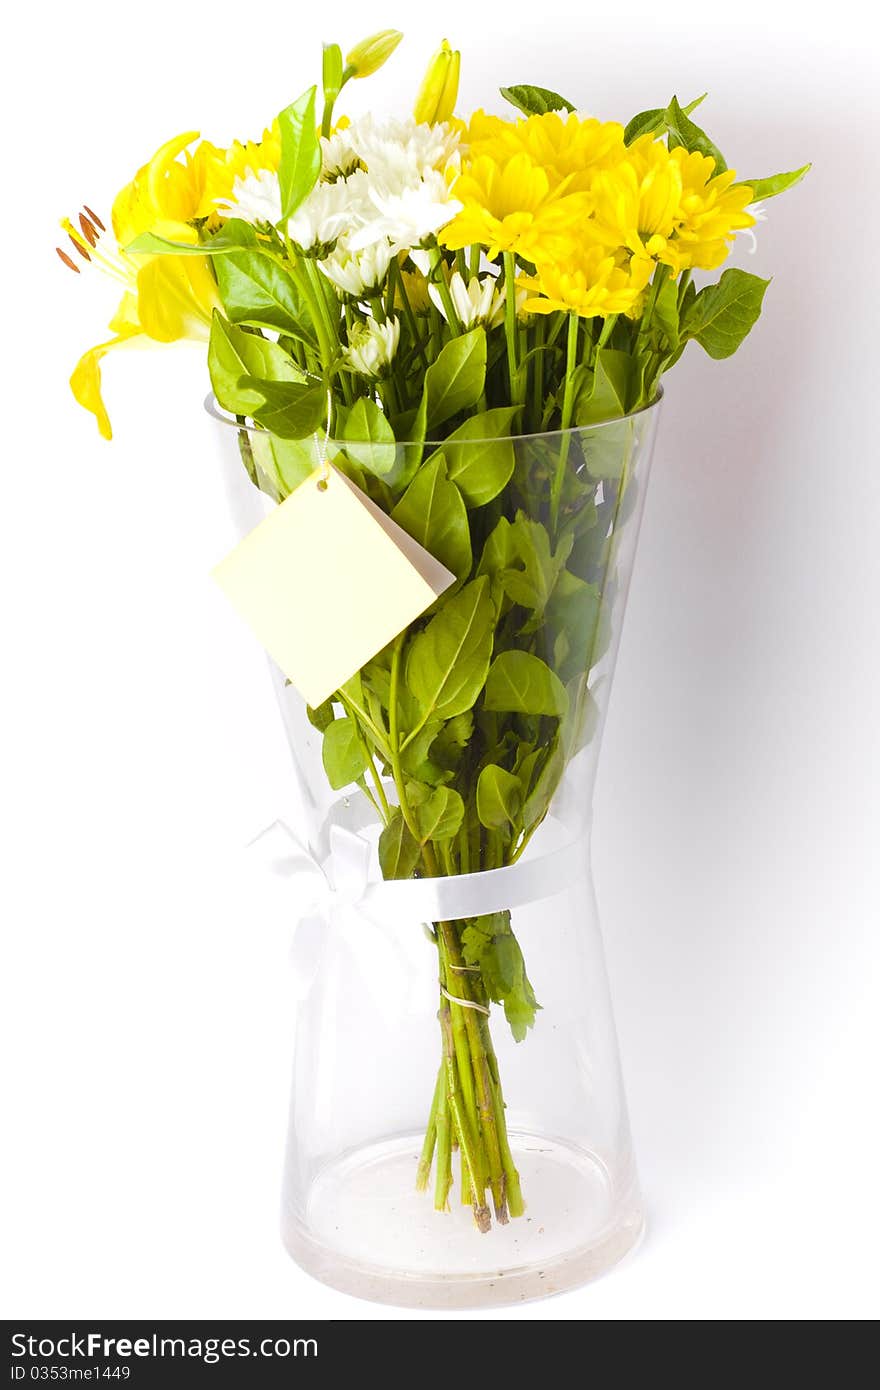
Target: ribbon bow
[(343, 890)]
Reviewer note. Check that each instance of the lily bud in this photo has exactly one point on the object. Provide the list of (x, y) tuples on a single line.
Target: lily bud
[(439, 90), (370, 54)]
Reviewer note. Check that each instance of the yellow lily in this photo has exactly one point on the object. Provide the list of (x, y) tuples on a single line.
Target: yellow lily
[(165, 297), (439, 90)]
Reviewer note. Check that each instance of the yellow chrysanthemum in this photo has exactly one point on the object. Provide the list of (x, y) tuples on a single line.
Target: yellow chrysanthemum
[(592, 285), (636, 205), (165, 297), (712, 208), (570, 149), (512, 206), (256, 155)]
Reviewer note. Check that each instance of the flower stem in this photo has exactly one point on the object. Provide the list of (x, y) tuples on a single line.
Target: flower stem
[(427, 1154), (510, 327), (567, 408)]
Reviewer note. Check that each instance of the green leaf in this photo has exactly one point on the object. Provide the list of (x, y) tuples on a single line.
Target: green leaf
[(437, 811), (499, 798), (369, 437), (291, 409), (479, 460), (775, 183), (321, 717), (285, 462), (232, 237), (415, 760), (521, 683), (448, 662), (653, 122), (572, 617), (300, 163), (683, 131), (528, 546), (721, 315), (256, 290), (332, 72), (666, 311), (448, 747), (498, 550), (613, 387), (538, 801), (453, 382), (233, 354), (535, 101), (343, 754), (489, 943), (398, 848), (432, 511)]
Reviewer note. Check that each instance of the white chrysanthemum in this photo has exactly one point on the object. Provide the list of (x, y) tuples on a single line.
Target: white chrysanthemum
[(357, 273), (757, 211), (339, 158), (254, 198), (421, 260), (398, 151), (477, 301), (406, 214), (326, 212), (372, 346)]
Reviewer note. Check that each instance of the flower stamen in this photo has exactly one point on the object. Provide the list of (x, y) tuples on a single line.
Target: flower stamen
[(89, 232), (78, 246), (93, 217)]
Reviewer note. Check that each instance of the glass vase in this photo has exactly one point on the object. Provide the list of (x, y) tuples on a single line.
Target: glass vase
[(458, 1131)]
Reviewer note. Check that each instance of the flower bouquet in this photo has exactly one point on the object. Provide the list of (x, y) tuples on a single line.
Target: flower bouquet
[(467, 322)]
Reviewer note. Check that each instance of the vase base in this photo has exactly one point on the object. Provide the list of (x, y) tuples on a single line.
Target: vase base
[(369, 1233)]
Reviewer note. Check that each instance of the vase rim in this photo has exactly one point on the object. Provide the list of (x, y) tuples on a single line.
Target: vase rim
[(222, 417)]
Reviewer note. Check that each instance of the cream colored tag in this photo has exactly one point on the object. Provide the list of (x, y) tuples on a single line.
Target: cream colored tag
[(327, 581)]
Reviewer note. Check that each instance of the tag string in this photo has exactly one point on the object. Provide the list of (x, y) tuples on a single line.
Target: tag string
[(324, 444)]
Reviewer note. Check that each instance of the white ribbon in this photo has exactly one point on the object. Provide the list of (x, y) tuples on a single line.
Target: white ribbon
[(343, 889)]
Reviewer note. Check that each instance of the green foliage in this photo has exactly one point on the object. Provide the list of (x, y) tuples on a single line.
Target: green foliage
[(343, 753), (369, 437), (282, 463), (449, 660), (437, 811), (234, 235), (531, 565), (653, 122), (399, 850), (535, 101), (480, 460), (300, 152), (499, 798), (489, 943), (256, 290), (776, 183), (235, 355), (522, 683), (432, 511), (291, 409), (721, 315), (614, 389), (683, 131), (453, 383)]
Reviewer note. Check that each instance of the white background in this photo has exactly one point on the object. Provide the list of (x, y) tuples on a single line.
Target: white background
[(146, 1017)]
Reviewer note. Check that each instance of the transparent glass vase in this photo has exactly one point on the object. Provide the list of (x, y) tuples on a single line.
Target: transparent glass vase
[(399, 1035)]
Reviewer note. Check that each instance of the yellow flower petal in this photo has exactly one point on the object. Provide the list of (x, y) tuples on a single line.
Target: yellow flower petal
[(85, 382)]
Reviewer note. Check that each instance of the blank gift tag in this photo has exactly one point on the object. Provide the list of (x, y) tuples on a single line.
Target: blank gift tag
[(327, 581)]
